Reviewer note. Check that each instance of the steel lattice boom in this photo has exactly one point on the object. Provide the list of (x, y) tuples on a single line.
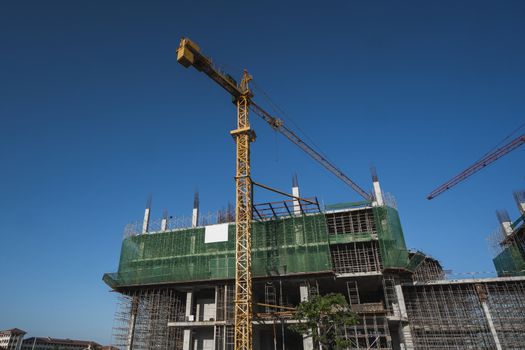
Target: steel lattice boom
[(480, 164), (278, 125)]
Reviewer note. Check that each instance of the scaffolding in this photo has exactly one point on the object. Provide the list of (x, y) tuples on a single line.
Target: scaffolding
[(295, 254), (369, 224), (358, 257), (371, 332), (507, 305), (358, 223), (429, 270), (475, 314), (224, 337), (224, 302), (141, 320)]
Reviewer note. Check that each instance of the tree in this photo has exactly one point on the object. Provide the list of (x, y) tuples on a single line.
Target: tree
[(325, 317)]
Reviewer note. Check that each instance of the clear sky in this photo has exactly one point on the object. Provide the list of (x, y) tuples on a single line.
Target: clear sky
[(96, 114)]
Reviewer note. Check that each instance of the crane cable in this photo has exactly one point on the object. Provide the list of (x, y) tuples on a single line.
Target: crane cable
[(502, 141), (273, 105), (282, 113)]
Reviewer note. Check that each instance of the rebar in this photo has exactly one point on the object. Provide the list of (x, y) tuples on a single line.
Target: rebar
[(453, 315)]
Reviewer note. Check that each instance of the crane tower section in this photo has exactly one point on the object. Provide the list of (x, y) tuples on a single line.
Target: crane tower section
[(189, 54), (243, 221)]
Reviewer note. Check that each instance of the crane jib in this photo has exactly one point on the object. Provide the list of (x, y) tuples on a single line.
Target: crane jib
[(477, 166), (309, 150)]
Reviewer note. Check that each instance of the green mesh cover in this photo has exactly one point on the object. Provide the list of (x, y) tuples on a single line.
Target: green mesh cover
[(346, 205), (392, 245), (279, 247), (510, 262), (417, 259)]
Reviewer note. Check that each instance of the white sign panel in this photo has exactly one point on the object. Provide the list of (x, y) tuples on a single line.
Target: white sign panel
[(216, 233)]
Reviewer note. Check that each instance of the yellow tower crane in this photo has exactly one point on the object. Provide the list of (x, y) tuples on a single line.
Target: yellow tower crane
[(189, 54)]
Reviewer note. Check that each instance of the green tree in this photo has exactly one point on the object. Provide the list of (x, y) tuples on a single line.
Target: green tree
[(325, 317)]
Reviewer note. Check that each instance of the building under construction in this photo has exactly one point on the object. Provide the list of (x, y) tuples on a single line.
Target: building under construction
[(508, 241), (175, 281)]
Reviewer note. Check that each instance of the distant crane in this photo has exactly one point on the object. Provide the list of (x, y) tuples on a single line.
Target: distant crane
[(189, 54), (477, 166)]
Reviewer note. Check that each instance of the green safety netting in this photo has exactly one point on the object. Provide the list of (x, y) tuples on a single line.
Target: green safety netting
[(415, 260), (510, 262), (394, 253), (346, 205), (279, 247)]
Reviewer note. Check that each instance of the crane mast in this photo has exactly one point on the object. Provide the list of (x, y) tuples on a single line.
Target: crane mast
[(243, 221), (188, 54)]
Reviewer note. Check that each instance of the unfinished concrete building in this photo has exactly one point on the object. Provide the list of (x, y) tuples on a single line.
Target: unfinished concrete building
[(175, 281), (508, 241)]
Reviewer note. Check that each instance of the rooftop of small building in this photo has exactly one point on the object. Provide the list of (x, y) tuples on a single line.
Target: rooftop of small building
[(13, 331), (59, 341)]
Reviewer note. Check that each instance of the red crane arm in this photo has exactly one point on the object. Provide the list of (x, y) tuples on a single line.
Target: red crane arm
[(480, 164)]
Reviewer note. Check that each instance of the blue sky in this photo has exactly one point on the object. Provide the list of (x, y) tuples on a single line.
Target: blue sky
[(96, 114)]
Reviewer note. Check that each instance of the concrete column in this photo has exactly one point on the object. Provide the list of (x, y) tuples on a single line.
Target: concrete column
[(145, 223), (520, 201), (378, 194), (482, 294), (401, 301), (216, 303), (405, 333), (308, 342), (377, 189), (295, 193), (521, 207), (505, 222), (195, 213), (296, 205), (164, 222), (186, 340), (195, 217), (189, 304), (132, 322), (507, 227), (303, 292), (491, 324)]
